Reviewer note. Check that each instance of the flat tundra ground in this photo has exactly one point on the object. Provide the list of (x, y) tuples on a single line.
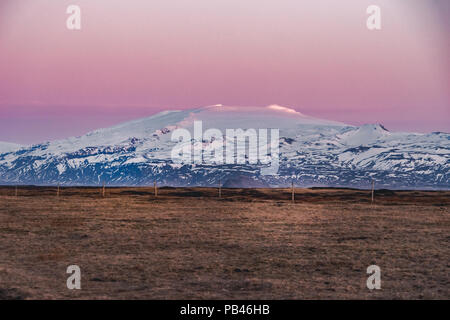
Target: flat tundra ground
[(250, 244)]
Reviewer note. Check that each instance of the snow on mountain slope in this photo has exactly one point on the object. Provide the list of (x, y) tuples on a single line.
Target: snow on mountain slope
[(152, 133), (364, 135), (312, 151), (6, 147), (218, 116)]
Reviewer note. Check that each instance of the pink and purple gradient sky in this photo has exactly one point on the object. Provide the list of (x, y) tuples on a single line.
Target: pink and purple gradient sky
[(134, 58)]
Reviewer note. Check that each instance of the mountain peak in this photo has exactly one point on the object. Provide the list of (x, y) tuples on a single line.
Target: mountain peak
[(272, 116), (283, 109), (365, 135)]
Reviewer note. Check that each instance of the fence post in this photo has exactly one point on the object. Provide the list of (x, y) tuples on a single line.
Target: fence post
[(103, 190), (373, 190), (156, 189), (16, 192), (220, 188), (293, 192), (57, 192)]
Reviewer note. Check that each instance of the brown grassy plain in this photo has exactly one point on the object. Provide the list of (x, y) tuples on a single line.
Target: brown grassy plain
[(251, 244)]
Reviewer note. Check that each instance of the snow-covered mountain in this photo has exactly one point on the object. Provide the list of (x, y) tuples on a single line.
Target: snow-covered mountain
[(313, 152)]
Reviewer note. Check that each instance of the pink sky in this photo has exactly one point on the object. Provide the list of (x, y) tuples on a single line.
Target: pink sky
[(134, 58)]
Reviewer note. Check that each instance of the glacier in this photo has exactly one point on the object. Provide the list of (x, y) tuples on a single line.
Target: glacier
[(313, 152)]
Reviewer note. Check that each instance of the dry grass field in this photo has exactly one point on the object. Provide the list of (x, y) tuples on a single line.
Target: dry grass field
[(251, 244)]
